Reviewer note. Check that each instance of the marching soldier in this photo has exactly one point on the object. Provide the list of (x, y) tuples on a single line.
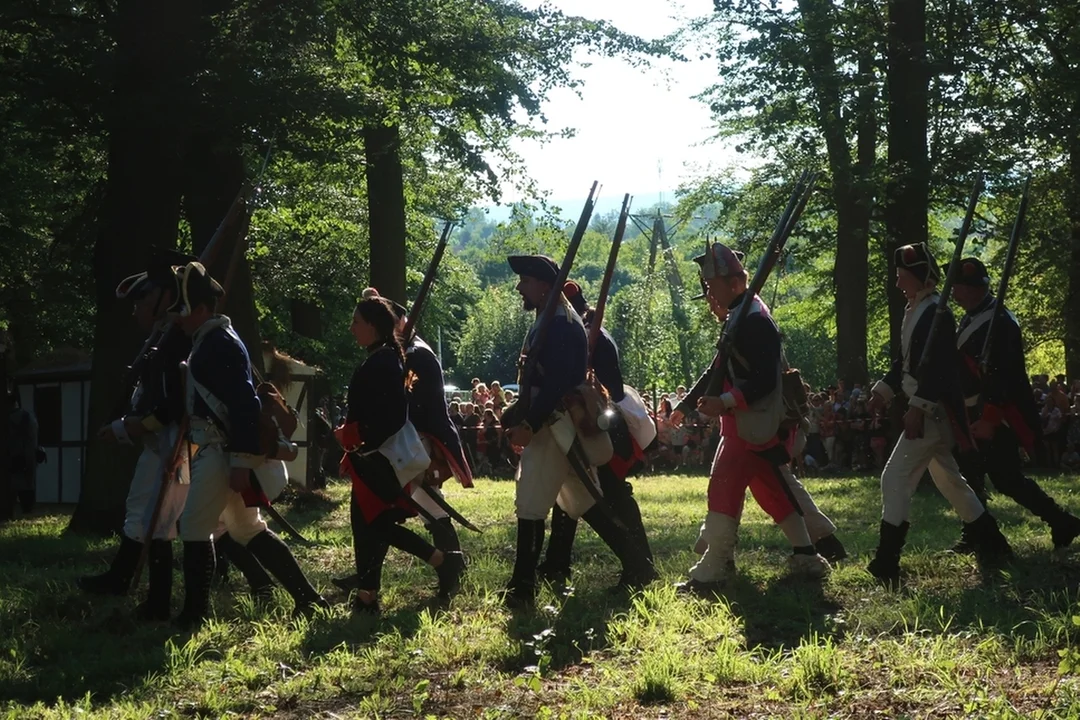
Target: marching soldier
[(1000, 407), (377, 414), (156, 408), (750, 454), (546, 434), (223, 411), (430, 414), (628, 457), (933, 423)]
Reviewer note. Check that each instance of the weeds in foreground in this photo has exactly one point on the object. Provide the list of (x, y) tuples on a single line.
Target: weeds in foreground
[(950, 644)]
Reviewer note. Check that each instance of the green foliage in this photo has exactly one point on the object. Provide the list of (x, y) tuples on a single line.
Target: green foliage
[(491, 338), (771, 647)]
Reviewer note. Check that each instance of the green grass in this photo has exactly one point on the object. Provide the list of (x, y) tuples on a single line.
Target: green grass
[(952, 642)]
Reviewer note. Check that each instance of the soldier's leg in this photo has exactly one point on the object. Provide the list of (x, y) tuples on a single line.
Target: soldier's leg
[(248, 528), (206, 501), (980, 526), (619, 494), (117, 579), (370, 549), (259, 582), (538, 482), (557, 560), (448, 565), (719, 532), (443, 534), (1006, 471), (822, 530), (899, 479), (765, 484)]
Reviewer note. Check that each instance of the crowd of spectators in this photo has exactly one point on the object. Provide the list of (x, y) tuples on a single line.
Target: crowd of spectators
[(843, 436)]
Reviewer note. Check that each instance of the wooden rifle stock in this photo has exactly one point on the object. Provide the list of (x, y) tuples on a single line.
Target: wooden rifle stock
[(950, 276), (429, 280), (1006, 275), (609, 272)]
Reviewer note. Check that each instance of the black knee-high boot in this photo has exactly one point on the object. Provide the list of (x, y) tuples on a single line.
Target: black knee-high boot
[(117, 579), (637, 567), (557, 560), (274, 555), (521, 590), (199, 561), (262, 586), (158, 601)]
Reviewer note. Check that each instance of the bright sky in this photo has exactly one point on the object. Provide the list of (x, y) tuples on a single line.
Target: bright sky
[(638, 131)]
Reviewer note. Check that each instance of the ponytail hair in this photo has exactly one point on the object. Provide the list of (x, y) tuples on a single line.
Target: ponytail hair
[(379, 313)]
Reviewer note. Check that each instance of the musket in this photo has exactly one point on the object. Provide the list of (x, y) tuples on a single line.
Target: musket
[(950, 276), (553, 300), (1006, 274), (609, 272), (243, 201), (804, 188), (429, 280)]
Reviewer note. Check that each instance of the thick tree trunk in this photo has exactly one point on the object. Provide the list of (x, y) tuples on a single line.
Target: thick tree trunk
[(1072, 298), (214, 171), (850, 193), (142, 208), (907, 193), (386, 210)]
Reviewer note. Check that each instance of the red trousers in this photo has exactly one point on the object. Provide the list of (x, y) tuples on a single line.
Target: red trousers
[(736, 467)]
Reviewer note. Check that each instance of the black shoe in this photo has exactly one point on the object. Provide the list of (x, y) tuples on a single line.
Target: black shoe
[(117, 579), (360, 607), (519, 596), (1064, 531), (520, 592), (886, 563), (557, 577), (830, 548), (199, 562), (450, 572)]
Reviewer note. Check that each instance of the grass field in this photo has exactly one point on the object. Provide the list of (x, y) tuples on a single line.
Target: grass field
[(951, 643)]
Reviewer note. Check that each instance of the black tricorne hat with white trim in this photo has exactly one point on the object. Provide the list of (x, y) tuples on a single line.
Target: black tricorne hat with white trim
[(196, 287), (919, 261), (159, 273)]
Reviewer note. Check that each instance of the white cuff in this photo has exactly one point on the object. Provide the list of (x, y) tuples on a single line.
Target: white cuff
[(729, 400), (121, 432), (882, 388)]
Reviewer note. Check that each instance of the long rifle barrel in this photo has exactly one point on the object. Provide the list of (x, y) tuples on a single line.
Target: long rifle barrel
[(1006, 275), (429, 280), (950, 276), (609, 272), (554, 297)]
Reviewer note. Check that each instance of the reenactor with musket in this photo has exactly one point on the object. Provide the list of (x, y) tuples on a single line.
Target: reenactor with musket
[(153, 420), (1000, 406)]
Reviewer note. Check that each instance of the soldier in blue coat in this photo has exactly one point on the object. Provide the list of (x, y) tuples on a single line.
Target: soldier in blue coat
[(223, 411), (933, 424), (1000, 407), (542, 427), (628, 458)]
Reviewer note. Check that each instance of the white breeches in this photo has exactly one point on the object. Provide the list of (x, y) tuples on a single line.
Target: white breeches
[(545, 476), (911, 458), (211, 501), (818, 523), (146, 485)]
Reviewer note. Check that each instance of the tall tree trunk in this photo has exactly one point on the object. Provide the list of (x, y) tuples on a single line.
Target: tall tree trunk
[(850, 197), (1072, 298), (907, 192), (214, 171), (386, 210), (141, 208), (678, 312)]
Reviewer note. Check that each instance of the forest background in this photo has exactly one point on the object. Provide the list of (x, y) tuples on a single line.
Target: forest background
[(132, 125)]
